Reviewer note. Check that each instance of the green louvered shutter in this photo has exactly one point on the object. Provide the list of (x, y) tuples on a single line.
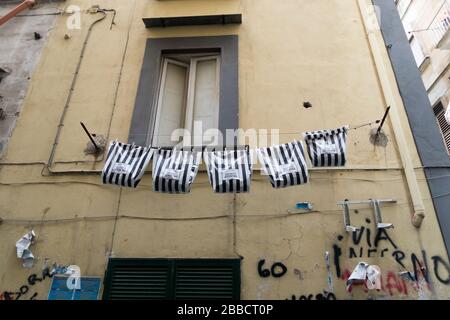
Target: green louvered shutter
[(137, 279), (145, 279), (207, 279)]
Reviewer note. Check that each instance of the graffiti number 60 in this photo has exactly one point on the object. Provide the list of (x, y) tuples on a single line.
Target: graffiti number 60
[(277, 270)]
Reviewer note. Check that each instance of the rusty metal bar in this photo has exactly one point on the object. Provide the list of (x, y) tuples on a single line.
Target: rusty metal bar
[(14, 12), (90, 136)]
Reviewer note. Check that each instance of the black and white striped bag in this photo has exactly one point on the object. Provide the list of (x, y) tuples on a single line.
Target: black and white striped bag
[(327, 148), (284, 164), (229, 171), (174, 170), (125, 164)]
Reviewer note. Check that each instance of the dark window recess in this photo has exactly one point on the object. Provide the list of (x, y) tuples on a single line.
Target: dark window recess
[(192, 20), (148, 279), (443, 125)]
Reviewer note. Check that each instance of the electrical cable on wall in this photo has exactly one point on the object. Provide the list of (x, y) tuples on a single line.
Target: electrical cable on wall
[(71, 89), (134, 217), (74, 80)]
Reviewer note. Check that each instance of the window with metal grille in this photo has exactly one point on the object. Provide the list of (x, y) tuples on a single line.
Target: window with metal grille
[(147, 279), (443, 124)]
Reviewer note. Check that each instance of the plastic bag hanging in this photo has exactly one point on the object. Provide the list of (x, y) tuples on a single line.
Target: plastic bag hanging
[(284, 164), (174, 171), (327, 148), (125, 164), (229, 171)]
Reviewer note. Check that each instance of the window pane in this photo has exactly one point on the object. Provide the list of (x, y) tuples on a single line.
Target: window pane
[(171, 104), (206, 95)]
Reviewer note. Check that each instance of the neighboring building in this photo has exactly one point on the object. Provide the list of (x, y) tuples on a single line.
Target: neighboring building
[(249, 64), (22, 40), (427, 24)]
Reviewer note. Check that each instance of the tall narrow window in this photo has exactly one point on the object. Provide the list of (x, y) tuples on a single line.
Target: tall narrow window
[(186, 81), (171, 101), (188, 98)]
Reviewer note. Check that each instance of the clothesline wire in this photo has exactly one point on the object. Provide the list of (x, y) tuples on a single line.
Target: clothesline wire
[(355, 127), (247, 147), (255, 178)]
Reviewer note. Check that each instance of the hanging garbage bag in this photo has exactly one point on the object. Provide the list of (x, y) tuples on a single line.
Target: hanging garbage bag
[(327, 148), (284, 164), (174, 171), (229, 171), (125, 164)]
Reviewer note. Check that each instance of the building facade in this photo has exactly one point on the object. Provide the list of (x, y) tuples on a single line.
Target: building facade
[(427, 25), (131, 69)]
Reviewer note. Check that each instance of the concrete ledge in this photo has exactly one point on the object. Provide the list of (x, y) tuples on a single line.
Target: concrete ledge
[(192, 20)]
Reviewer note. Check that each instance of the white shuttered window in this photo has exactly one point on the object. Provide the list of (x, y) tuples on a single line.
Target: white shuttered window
[(188, 95)]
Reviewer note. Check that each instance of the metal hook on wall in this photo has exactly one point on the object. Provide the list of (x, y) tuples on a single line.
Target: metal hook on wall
[(383, 120), (91, 137)]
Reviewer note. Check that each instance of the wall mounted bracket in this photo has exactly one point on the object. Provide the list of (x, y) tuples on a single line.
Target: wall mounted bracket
[(348, 226), (376, 209), (377, 212)]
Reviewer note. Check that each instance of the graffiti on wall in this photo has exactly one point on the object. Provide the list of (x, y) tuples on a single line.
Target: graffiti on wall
[(277, 270), (320, 296), (24, 289), (366, 243), (31, 281)]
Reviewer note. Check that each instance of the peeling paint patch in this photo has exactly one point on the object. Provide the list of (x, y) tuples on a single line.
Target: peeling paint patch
[(18, 59)]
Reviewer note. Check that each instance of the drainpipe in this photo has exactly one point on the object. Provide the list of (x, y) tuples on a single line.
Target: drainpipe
[(21, 7), (393, 98)]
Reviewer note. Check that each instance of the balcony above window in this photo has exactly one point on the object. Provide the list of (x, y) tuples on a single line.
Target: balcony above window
[(176, 13), (221, 19), (440, 26)]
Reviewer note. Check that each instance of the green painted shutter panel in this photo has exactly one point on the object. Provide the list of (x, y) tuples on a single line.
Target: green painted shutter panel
[(205, 282), (137, 281), (146, 279)]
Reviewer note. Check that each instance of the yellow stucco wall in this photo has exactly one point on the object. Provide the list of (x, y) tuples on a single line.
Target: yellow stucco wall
[(289, 52)]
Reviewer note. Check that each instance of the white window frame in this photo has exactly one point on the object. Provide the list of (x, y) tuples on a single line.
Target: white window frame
[(161, 87), (189, 100), (189, 117)]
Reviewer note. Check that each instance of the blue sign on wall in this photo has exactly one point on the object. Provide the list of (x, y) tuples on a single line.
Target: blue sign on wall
[(90, 287)]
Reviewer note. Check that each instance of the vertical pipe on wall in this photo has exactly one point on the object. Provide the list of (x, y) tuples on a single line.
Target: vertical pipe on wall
[(392, 96)]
